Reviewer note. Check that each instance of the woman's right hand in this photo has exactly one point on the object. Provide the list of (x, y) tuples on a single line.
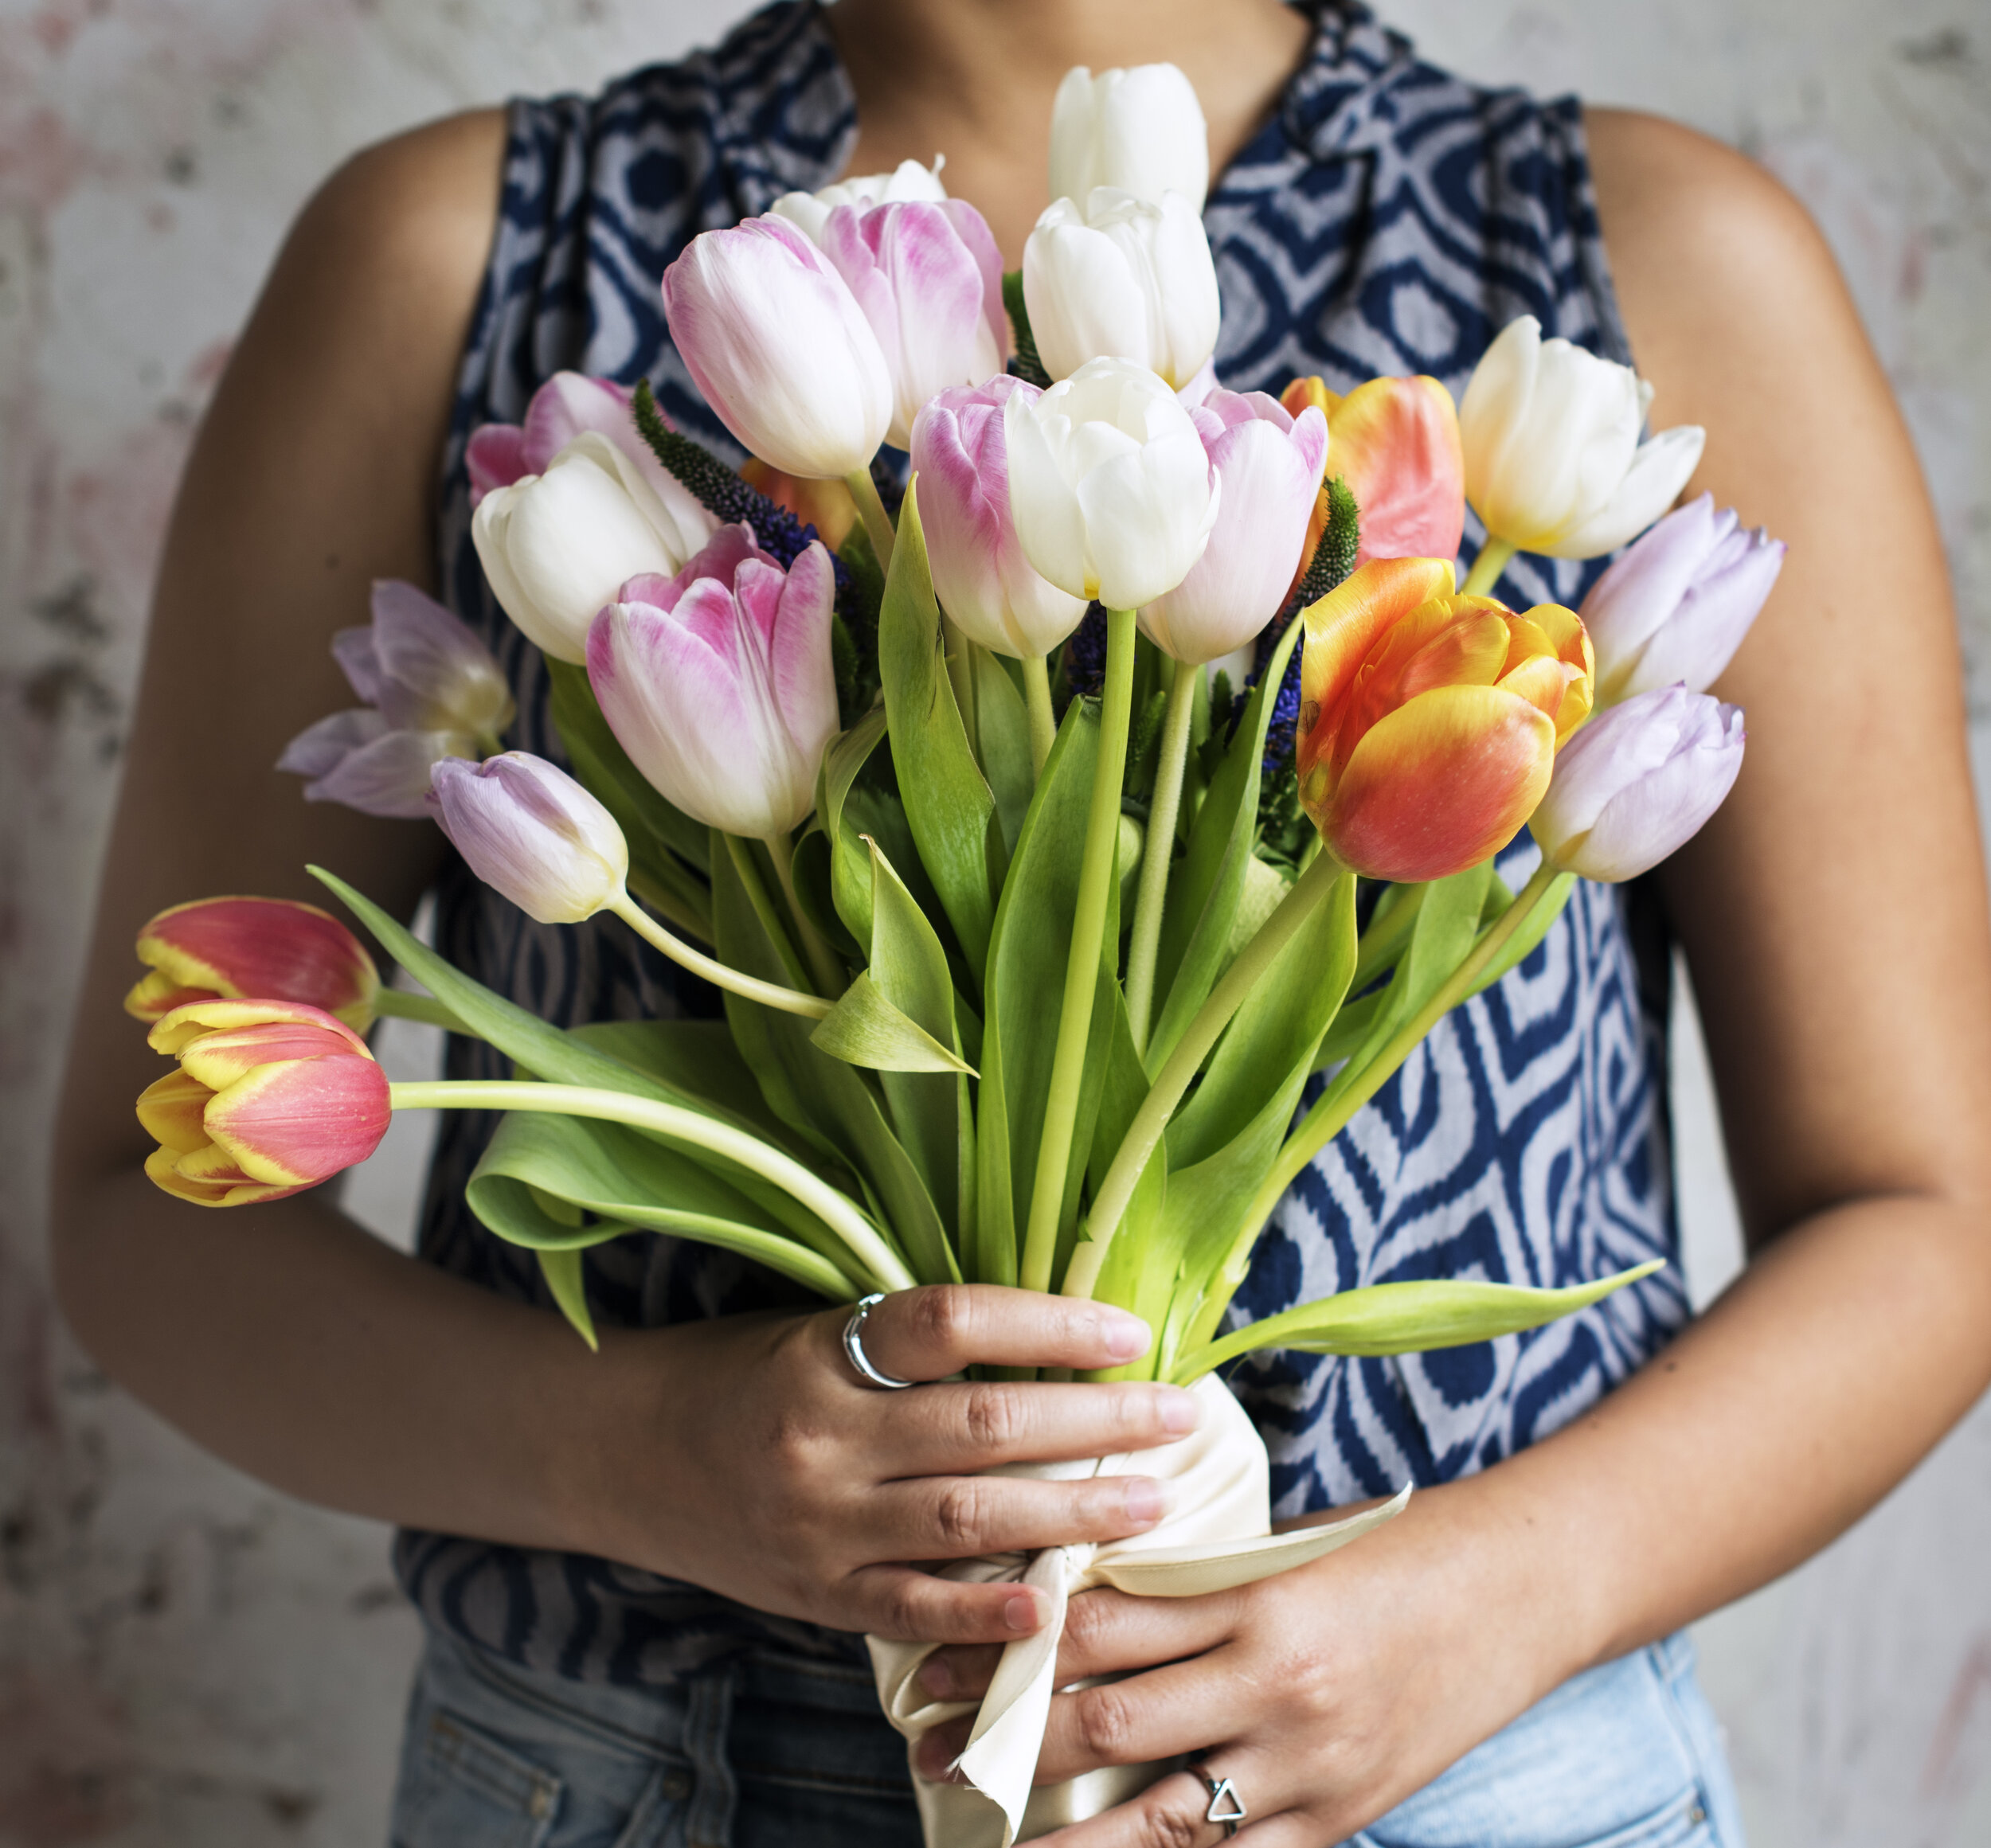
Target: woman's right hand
[(785, 1481)]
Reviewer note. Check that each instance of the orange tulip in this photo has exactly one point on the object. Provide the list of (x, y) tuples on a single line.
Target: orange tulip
[(1429, 722), (1395, 441), (224, 948)]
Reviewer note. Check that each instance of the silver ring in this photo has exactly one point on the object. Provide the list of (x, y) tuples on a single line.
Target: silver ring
[(854, 1346), (1225, 1805)]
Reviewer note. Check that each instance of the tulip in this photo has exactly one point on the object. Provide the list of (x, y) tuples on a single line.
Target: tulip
[(431, 690), (270, 1097), (930, 280), (556, 546), (1141, 131), (783, 354), (529, 831), (217, 949), (1109, 275), (809, 212), (719, 683), (1675, 608), (990, 590), (1395, 441), (1553, 461), (1640, 782), (1430, 722), (1269, 464), (1110, 487)]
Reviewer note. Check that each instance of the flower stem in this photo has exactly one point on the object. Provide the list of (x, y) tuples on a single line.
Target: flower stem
[(830, 978), (1309, 890), (747, 987), (398, 1004), (1081, 967), (877, 523), (1043, 722), (1330, 1115), (1160, 856), (1486, 568), (835, 1209), (741, 853)]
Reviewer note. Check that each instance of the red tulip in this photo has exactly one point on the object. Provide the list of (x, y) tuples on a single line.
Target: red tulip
[(222, 949)]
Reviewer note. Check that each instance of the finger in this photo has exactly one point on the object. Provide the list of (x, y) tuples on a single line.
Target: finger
[(935, 1517), (906, 1605), (955, 1430), (1175, 1812), (938, 1330), (1164, 1713)]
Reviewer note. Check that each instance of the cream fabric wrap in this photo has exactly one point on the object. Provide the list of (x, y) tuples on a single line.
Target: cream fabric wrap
[(1217, 1535)]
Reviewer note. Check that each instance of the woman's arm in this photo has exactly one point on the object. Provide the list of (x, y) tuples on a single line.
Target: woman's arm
[(1834, 914)]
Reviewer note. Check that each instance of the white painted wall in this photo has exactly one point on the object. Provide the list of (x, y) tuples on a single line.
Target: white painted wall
[(186, 1658)]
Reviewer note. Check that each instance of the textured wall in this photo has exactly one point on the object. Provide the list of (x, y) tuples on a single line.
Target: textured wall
[(186, 1658)]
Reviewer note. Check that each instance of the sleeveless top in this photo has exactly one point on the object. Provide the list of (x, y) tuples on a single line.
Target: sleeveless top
[(1389, 218)]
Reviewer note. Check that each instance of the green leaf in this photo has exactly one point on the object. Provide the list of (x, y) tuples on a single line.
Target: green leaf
[(1029, 367), (865, 1029), (562, 1271), (1002, 734), (948, 800), (1524, 941), (1390, 1318)]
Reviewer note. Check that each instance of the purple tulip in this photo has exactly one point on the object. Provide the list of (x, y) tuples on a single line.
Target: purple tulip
[(431, 691), (529, 831), (930, 279), (993, 593), (1637, 782), (1269, 463), (1676, 606), (718, 682)]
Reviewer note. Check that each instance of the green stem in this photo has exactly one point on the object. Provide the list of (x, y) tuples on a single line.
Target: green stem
[(1330, 1115), (1043, 722), (1486, 568), (741, 853), (1081, 968), (1160, 856), (1150, 1121), (398, 1004), (870, 510), (1383, 942), (835, 1209), (830, 978), (747, 987)]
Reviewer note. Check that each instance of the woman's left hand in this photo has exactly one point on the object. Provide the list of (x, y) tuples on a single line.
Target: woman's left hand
[(1326, 1695)]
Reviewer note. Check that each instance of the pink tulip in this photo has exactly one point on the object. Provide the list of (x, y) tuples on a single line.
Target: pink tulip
[(529, 831), (992, 592), (1637, 782), (431, 691), (1674, 608), (270, 1097), (773, 336), (217, 949), (718, 682), (1269, 463)]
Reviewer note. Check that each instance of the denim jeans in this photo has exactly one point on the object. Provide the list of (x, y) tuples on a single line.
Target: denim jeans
[(777, 1752)]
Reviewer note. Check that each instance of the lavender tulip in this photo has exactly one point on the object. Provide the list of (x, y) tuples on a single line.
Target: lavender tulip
[(1676, 606), (1637, 782), (990, 590), (773, 336), (529, 831), (718, 682), (431, 690), (1270, 465)]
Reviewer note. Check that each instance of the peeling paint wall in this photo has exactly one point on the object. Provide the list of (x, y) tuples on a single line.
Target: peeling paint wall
[(186, 1657)]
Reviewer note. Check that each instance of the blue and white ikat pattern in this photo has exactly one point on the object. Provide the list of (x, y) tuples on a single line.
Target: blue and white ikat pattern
[(1390, 218)]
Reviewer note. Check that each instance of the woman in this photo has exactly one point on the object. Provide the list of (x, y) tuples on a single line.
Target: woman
[(638, 1642)]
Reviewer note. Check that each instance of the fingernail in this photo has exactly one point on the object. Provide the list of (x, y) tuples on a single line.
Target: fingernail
[(1146, 1500), (937, 1678), (1126, 1336), (1179, 1410), (1020, 1613)]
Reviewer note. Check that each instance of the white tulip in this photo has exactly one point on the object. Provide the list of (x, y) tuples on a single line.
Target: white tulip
[(1553, 461), (1117, 278), (556, 547), (1140, 130), (1110, 486), (809, 212)]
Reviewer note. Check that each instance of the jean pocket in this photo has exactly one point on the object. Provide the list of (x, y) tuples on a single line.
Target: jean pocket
[(466, 1787)]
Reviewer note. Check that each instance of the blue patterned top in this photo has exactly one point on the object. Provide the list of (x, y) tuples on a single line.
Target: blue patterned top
[(1389, 218)]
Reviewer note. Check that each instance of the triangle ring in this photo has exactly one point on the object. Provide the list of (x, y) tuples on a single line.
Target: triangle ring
[(1225, 1805)]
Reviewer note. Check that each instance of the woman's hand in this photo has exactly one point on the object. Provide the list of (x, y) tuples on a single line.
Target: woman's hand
[(790, 1484)]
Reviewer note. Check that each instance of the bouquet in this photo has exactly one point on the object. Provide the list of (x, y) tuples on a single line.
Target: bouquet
[(1078, 837)]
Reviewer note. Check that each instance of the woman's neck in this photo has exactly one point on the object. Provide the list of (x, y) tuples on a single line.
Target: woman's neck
[(974, 80)]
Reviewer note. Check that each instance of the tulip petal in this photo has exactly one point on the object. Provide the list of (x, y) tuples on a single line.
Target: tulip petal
[(161, 1168), (218, 1058), (390, 776), (1396, 443), (170, 1110), (185, 1024), (529, 830), (359, 660), (804, 675), (293, 953), (294, 1123), (1084, 298), (437, 674), (1345, 624), (495, 458), (319, 749), (1658, 471)]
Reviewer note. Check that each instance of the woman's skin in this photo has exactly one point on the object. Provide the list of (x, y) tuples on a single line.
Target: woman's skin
[(1833, 915)]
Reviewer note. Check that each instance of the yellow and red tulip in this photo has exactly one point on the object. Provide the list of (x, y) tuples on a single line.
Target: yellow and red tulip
[(1429, 722), (270, 1097), (1395, 441), (225, 948)]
